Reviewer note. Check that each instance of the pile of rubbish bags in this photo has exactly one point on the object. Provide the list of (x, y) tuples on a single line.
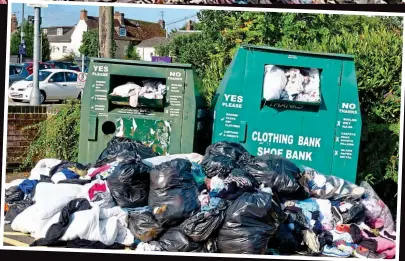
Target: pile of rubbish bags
[(291, 84), (150, 90), (226, 201)]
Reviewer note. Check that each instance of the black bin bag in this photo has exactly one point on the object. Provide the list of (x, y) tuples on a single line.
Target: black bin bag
[(248, 225), (124, 148), (74, 166), (173, 240), (225, 148), (16, 208), (202, 225), (286, 241), (14, 194), (129, 184), (144, 226), (277, 173), (173, 194), (220, 165)]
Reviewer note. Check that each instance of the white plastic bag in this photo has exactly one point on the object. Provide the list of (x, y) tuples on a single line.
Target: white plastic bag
[(295, 84), (44, 225), (193, 157), (125, 90), (87, 225), (47, 163), (13, 183), (58, 177), (25, 221), (274, 82), (42, 168), (52, 198)]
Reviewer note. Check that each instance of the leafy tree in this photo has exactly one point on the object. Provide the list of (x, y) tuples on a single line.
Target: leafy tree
[(132, 54), (46, 48), (69, 57), (29, 42), (90, 46)]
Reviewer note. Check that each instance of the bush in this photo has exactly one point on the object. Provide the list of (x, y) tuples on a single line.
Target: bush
[(57, 136)]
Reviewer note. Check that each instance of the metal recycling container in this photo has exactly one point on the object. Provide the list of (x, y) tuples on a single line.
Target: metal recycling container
[(173, 123), (322, 133)]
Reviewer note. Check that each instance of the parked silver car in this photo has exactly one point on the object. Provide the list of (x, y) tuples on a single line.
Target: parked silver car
[(17, 73)]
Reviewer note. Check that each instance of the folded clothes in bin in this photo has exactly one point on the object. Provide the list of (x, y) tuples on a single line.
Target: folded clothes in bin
[(294, 84), (152, 90)]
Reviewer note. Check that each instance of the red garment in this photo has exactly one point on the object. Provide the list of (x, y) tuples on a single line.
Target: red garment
[(99, 170), (97, 188), (343, 228)]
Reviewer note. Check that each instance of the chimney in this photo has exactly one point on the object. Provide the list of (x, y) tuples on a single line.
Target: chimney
[(14, 22), (189, 26), (83, 14), (120, 17), (162, 23)]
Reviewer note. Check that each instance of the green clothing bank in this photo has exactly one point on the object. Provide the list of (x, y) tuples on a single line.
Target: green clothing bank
[(323, 134)]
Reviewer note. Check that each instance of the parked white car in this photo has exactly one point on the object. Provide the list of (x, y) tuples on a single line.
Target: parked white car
[(54, 84)]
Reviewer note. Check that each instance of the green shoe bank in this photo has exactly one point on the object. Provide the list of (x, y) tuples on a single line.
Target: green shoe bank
[(322, 134)]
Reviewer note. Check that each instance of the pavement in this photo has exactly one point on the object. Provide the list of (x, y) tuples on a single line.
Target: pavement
[(12, 238), (13, 103)]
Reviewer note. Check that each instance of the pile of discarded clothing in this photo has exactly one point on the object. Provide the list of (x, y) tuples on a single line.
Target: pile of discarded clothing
[(226, 201), (291, 84), (150, 90)]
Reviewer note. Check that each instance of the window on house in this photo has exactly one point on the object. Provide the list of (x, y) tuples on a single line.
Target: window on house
[(59, 31), (64, 49), (123, 31), (45, 31)]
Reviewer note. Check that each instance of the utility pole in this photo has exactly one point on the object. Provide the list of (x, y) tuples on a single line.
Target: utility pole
[(35, 98), (22, 32), (35, 94), (105, 33)]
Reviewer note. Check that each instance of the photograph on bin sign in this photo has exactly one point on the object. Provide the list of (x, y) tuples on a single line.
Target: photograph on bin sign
[(211, 133)]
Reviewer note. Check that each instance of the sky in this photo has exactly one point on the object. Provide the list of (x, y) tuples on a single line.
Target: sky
[(69, 15)]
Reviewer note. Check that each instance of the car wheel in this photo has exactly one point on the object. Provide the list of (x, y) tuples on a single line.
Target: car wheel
[(43, 97), (79, 97)]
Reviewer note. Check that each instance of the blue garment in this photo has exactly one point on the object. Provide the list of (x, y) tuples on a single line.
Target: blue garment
[(27, 186), (198, 173), (291, 226), (69, 174), (140, 209), (317, 227), (307, 206), (213, 194), (335, 203), (213, 204)]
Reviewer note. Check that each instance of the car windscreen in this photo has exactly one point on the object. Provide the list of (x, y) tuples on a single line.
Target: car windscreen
[(42, 76)]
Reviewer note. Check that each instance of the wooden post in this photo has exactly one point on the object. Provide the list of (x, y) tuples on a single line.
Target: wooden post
[(106, 33)]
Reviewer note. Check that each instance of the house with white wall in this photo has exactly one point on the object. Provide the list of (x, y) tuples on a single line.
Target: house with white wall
[(66, 40), (147, 48)]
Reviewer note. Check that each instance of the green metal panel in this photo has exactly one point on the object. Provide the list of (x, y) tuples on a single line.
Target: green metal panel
[(307, 134), (168, 126)]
